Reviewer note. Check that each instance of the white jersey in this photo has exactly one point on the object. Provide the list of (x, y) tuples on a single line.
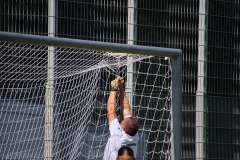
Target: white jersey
[(119, 138)]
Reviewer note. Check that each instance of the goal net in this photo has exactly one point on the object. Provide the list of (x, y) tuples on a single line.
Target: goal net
[(80, 87)]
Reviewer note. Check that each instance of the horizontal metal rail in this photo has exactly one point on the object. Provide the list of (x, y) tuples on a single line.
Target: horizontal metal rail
[(91, 45)]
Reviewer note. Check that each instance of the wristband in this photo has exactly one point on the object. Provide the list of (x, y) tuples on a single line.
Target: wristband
[(114, 89), (128, 116)]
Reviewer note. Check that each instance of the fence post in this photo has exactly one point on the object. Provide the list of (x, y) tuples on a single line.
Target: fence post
[(201, 82), (131, 38), (49, 95)]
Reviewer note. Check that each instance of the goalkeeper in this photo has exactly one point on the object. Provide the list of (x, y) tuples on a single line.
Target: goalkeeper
[(124, 134)]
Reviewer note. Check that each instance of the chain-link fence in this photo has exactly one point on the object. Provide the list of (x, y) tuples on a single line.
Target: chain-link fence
[(208, 32)]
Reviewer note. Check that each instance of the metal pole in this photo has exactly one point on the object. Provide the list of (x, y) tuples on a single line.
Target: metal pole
[(201, 83), (49, 99), (131, 38), (132, 20), (91, 45), (176, 123)]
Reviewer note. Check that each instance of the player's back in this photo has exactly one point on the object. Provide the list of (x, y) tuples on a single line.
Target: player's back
[(119, 138)]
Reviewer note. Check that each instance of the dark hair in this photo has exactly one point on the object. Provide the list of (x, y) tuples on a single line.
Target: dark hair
[(131, 126), (125, 150)]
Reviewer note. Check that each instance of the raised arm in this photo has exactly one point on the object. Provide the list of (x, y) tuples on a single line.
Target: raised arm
[(126, 110), (111, 104)]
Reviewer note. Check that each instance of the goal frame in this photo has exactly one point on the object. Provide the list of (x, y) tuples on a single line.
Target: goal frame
[(176, 65)]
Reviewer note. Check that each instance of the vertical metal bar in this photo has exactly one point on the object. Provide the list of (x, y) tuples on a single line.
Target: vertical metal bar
[(56, 19), (131, 38), (201, 82), (49, 97), (176, 122)]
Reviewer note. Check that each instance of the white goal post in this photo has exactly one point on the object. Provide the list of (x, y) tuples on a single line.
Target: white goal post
[(53, 99)]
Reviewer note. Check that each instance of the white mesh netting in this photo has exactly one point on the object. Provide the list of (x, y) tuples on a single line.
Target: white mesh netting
[(81, 85)]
